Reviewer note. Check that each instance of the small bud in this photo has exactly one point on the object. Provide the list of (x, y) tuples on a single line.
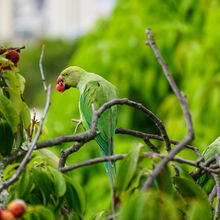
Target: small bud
[(17, 207)]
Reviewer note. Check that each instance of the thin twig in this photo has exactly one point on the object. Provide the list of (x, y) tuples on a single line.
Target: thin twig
[(196, 174), (143, 135), (27, 157), (212, 195), (182, 99), (152, 147), (67, 152), (120, 157), (41, 68)]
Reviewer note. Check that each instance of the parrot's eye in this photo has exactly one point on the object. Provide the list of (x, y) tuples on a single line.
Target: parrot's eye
[(66, 74)]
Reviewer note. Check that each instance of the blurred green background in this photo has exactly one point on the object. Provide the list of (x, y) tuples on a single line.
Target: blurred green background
[(187, 33)]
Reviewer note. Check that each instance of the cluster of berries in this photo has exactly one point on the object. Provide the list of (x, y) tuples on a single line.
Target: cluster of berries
[(15, 209), (11, 54)]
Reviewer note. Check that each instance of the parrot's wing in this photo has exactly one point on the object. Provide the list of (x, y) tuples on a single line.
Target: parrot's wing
[(209, 152), (98, 93)]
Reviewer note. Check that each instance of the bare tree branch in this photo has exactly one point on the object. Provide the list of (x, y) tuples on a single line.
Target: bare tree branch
[(121, 156), (212, 195), (143, 135), (199, 172), (153, 148), (215, 176), (41, 68), (27, 157), (67, 152), (182, 99)]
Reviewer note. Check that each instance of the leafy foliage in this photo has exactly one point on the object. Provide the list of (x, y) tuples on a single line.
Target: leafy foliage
[(43, 186), (14, 113)]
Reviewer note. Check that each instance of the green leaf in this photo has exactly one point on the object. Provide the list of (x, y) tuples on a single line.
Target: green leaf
[(25, 185), (74, 196), (150, 205), (9, 112), (164, 181), (39, 213), (126, 170), (9, 170), (6, 137), (44, 183), (189, 189), (182, 171), (5, 62), (25, 116), (59, 181), (20, 136), (100, 216), (11, 79), (49, 157), (22, 82), (15, 97), (198, 210)]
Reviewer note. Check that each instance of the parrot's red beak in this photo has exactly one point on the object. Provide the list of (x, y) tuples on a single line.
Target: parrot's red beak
[(60, 87)]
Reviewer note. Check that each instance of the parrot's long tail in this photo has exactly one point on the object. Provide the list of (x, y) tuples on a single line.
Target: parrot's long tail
[(110, 166), (203, 179), (111, 170)]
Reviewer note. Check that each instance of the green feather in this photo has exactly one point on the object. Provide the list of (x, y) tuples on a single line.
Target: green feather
[(206, 181)]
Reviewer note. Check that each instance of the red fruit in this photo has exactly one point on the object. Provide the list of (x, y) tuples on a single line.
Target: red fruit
[(13, 55), (6, 215), (17, 207), (60, 87), (0, 212), (59, 80)]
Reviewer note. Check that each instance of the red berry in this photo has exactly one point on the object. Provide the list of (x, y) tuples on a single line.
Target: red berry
[(17, 207), (13, 55), (60, 87), (0, 212), (6, 215)]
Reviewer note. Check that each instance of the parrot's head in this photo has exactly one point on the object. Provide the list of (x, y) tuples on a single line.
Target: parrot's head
[(69, 77)]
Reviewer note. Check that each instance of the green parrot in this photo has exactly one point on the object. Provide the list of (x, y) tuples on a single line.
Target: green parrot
[(206, 181), (94, 90)]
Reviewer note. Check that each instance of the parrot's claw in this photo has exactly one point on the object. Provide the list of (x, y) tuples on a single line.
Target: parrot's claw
[(79, 122)]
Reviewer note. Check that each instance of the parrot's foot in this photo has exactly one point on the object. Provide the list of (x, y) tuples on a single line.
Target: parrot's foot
[(79, 122)]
